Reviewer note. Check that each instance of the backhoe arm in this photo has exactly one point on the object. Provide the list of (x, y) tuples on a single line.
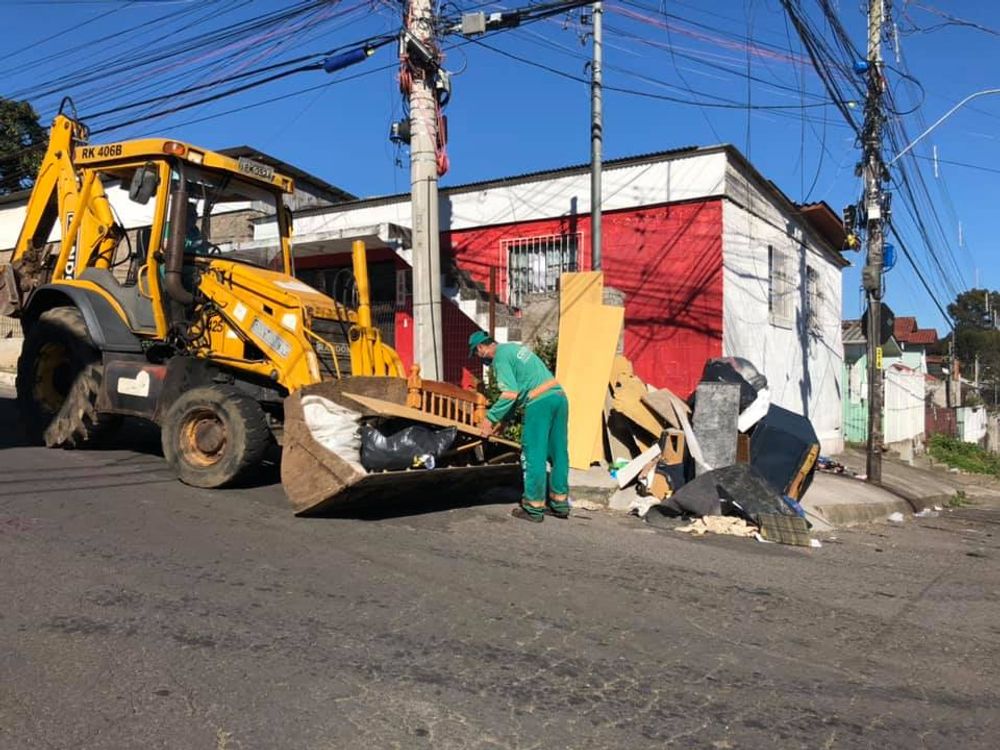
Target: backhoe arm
[(89, 233)]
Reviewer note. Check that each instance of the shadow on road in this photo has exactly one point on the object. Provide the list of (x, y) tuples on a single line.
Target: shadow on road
[(143, 438), (418, 504), (134, 434), (11, 434)]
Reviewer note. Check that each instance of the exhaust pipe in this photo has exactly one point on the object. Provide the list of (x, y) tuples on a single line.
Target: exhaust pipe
[(172, 277)]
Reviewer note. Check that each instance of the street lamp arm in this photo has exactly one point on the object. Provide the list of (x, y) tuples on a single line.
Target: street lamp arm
[(941, 119)]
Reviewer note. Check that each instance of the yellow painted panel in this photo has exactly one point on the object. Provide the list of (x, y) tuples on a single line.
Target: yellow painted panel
[(588, 340), (583, 288)]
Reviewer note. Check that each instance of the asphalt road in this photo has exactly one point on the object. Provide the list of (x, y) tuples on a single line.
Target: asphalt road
[(140, 613)]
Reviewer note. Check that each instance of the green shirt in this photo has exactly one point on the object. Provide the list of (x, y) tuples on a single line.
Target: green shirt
[(517, 371)]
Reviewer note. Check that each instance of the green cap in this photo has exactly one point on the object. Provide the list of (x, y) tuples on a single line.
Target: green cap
[(479, 337)]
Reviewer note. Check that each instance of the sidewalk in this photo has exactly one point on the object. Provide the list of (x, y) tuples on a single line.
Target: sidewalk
[(10, 350), (832, 499), (926, 483), (844, 501)]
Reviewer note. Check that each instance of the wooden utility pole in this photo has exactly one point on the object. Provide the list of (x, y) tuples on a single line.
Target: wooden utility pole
[(874, 172), (423, 57)]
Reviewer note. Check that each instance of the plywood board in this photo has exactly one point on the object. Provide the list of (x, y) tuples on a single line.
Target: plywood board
[(579, 289), (597, 453), (663, 403), (390, 409), (588, 339), (619, 442), (621, 369)]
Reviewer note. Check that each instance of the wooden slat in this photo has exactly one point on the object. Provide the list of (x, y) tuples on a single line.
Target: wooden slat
[(391, 409)]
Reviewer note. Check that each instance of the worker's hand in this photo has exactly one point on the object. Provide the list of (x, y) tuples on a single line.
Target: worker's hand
[(487, 428)]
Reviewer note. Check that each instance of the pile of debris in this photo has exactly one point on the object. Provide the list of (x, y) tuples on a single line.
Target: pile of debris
[(727, 455)]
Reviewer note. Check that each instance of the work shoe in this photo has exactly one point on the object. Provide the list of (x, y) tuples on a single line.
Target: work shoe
[(558, 509), (534, 515)]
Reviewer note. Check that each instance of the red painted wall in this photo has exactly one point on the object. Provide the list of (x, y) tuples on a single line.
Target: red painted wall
[(666, 259), (456, 328)]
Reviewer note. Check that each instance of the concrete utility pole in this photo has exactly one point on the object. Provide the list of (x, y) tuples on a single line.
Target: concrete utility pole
[(874, 170), (427, 333), (596, 138)]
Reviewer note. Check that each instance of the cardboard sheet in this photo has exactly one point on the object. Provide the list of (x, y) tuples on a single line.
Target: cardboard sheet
[(627, 394)]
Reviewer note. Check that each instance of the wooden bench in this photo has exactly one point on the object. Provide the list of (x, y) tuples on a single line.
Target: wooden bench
[(444, 399)]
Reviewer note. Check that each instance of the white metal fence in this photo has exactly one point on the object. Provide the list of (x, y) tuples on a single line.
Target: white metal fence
[(904, 405), (971, 423)]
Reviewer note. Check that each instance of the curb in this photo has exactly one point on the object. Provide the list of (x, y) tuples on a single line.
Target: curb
[(592, 498), (832, 515), (841, 516)]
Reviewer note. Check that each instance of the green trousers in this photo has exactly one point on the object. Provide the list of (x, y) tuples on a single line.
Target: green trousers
[(544, 440)]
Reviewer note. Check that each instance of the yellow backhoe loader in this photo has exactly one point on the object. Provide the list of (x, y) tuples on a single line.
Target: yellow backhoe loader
[(202, 337)]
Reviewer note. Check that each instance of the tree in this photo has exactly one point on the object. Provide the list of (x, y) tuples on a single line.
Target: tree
[(976, 337), (22, 145), (974, 309)]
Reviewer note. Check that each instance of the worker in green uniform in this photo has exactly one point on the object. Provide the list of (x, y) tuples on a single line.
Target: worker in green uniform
[(524, 378)]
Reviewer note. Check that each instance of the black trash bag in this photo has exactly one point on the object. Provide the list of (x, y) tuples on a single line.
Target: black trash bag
[(397, 451), (737, 490), (739, 371), (698, 497), (746, 493)]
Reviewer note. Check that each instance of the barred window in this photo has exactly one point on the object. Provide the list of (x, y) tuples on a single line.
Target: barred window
[(814, 300), (534, 264), (781, 288)]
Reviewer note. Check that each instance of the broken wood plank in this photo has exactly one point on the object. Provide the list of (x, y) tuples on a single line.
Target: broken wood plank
[(391, 409), (627, 473), (664, 404), (627, 392)]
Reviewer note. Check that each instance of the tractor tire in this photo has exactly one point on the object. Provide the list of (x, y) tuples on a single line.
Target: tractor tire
[(59, 375), (214, 435)]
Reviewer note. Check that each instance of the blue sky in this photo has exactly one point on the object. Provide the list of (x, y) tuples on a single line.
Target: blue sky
[(507, 116)]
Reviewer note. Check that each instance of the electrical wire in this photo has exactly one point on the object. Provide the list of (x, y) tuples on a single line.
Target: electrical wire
[(644, 94)]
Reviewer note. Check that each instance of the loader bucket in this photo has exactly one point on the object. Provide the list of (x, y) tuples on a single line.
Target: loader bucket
[(318, 479)]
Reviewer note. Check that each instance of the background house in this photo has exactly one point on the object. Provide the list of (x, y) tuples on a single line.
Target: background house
[(712, 259), (914, 342), (908, 386)]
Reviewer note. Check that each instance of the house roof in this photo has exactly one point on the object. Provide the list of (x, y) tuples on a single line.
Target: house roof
[(905, 331), (825, 221), (326, 190), (851, 332), (819, 217)]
